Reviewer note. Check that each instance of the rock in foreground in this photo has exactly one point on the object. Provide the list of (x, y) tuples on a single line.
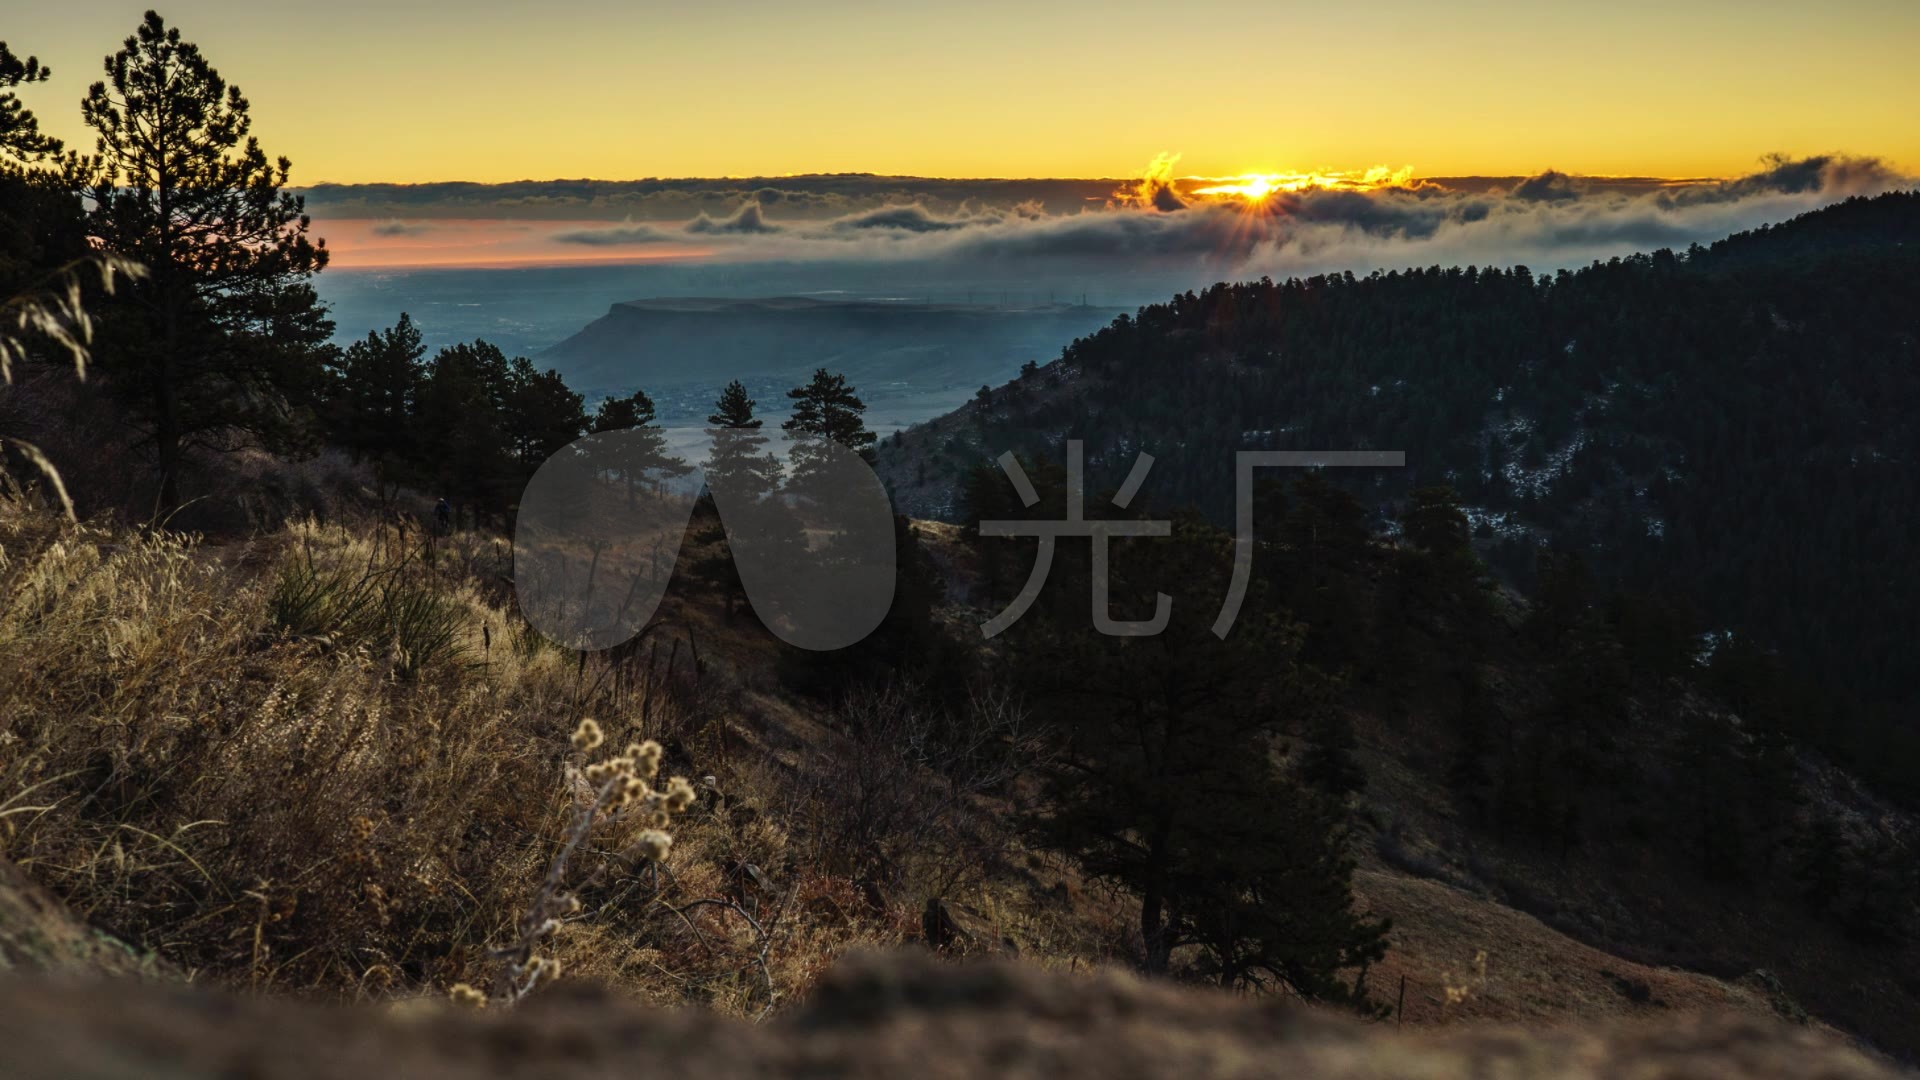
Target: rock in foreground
[(873, 1016)]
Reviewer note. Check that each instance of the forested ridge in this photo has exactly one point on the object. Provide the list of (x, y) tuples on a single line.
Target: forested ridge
[(1729, 427)]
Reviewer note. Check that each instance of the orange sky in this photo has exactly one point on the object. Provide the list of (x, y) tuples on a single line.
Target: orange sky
[(411, 90)]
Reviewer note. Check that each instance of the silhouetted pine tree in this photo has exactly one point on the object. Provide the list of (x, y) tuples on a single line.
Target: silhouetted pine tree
[(374, 396), (642, 455), (226, 335), (826, 407)]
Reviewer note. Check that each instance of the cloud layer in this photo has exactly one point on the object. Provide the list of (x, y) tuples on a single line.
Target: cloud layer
[(1180, 228), (1550, 219)]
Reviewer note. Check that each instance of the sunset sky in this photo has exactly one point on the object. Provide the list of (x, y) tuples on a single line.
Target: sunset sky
[(490, 90)]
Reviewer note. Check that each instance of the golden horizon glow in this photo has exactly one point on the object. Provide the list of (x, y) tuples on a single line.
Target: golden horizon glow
[(1256, 187), (401, 91)]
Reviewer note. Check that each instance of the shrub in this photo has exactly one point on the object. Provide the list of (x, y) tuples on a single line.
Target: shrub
[(385, 603)]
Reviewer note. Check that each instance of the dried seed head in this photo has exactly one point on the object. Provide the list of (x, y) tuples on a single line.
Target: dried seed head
[(680, 795), (587, 735), (466, 996), (653, 845), (646, 758)]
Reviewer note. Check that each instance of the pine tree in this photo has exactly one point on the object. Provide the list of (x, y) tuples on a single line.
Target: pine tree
[(542, 415), (734, 409), (739, 463), (747, 478), (21, 141), (1327, 762), (828, 408), (42, 227), (642, 454), (1168, 783), (375, 395), (825, 408), (1319, 541), (463, 444), (1434, 523), (226, 336)]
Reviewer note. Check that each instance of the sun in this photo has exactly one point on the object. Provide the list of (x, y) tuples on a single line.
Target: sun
[(1258, 187), (1252, 187)]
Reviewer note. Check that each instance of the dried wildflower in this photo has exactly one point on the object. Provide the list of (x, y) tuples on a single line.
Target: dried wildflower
[(466, 996), (646, 758), (567, 903), (680, 795), (1459, 989), (653, 845), (588, 735)]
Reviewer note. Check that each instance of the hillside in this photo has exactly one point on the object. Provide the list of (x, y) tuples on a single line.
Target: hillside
[(408, 842), (1731, 427), (791, 676)]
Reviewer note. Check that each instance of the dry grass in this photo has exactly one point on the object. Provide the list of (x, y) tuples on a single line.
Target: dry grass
[(333, 760)]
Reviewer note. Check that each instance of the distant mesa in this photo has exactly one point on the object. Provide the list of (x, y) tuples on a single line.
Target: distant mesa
[(694, 339)]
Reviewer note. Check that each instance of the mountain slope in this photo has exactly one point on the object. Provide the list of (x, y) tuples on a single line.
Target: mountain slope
[(1731, 426)]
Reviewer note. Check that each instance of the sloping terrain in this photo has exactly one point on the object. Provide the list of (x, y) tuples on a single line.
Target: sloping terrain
[(1729, 426)]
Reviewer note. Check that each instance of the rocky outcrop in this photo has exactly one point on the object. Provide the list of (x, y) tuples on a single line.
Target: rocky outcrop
[(39, 935)]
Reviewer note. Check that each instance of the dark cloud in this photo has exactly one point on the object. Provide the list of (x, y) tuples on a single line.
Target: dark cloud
[(401, 228), (909, 218), (747, 220), (616, 236), (1165, 199), (1826, 174), (1115, 234), (1549, 186), (1386, 211)]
